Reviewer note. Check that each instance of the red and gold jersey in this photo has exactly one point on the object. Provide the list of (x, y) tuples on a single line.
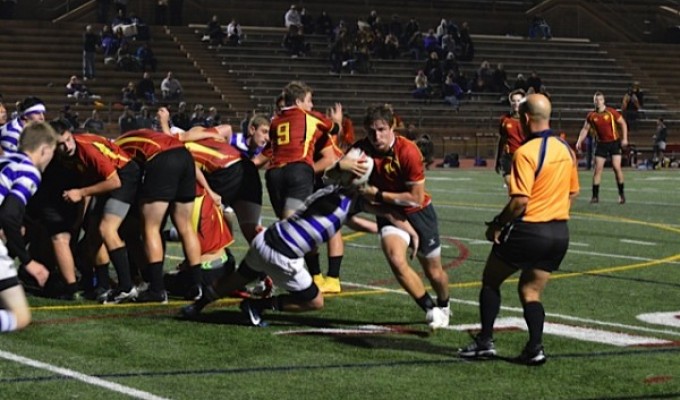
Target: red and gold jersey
[(511, 131), (209, 223), (604, 124), (212, 154), (293, 133), (98, 158), (397, 170), (547, 183), (145, 144)]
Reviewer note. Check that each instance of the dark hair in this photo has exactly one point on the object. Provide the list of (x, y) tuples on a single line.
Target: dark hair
[(378, 112), (61, 125), (29, 102)]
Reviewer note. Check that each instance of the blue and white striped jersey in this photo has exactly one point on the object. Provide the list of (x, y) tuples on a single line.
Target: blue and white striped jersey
[(9, 135), (18, 176), (240, 141), (322, 215)]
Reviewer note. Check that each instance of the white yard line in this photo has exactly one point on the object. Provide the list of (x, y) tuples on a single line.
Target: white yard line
[(90, 380), (640, 242)]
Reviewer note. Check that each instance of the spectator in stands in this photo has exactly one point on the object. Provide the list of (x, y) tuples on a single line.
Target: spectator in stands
[(499, 81), (162, 12), (660, 138), (324, 24), (70, 116), (544, 91), (171, 88), (448, 43), (294, 42), (146, 89), (125, 60), (234, 33), (363, 46), (181, 118), (213, 32), (426, 146), (144, 119), (76, 89), (485, 75), (410, 29), (467, 48), (213, 118), (422, 90), (198, 117), (307, 22), (90, 44), (396, 28), (415, 45), (631, 104), (391, 47), (94, 124), (127, 121), (109, 43), (442, 29), (129, 97), (431, 43), (121, 21), (433, 70), (140, 27), (521, 83), (145, 57), (539, 26), (451, 91), (292, 17), (534, 82)]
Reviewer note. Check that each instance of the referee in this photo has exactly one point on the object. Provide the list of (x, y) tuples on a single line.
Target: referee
[(531, 233)]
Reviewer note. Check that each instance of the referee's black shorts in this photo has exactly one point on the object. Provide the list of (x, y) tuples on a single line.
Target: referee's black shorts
[(527, 245)]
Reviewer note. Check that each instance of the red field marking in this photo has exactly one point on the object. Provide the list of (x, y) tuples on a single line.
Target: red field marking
[(658, 379), (463, 254)]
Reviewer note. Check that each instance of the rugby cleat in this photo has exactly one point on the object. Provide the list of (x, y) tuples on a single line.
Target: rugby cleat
[(149, 296), (118, 296), (479, 348), (252, 312), (532, 356)]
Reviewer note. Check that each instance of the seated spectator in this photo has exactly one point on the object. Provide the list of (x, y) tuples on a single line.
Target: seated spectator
[(426, 147), (234, 33), (534, 82), (70, 116), (499, 81), (412, 26), (171, 88), (198, 117), (146, 89), (521, 83), (415, 45), (181, 118), (125, 60), (94, 124), (292, 17), (433, 70), (307, 22), (485, 73), (143, 32), (450, 64), (129, 97), (109, 43), (127, 121), (213, 118), (144, 119), (76, 89), (452, 92), (124, 25), (145, 58), (294, 42), (422, 90), (364, 43), (431, 43), (539, 26), (391, 47), (214, 33)]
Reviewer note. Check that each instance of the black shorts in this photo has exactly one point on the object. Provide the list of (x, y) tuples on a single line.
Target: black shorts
[(528, 245), (227, 182), (129, 175), (47, 206), (251, 187), (425, 224), (608, 148), (505, 163), (295, 181), (169, 176)]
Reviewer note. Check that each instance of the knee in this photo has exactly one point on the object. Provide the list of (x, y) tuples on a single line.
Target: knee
[(23, 318), (316, 303)]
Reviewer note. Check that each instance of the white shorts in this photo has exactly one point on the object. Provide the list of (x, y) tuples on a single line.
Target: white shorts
[(288, 273), (7, 269)]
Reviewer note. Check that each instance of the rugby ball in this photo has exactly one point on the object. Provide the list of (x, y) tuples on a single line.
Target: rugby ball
[(351, 179)]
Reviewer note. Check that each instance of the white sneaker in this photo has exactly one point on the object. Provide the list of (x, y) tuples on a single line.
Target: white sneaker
[(438, 317)]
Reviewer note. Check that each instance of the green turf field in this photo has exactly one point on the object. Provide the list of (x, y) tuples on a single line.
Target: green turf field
[(371, 342)]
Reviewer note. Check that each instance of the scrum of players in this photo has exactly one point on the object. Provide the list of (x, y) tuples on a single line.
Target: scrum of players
[(76, 203)]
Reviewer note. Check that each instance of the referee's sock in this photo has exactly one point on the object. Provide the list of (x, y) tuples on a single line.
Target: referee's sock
[(489, 306), (620, 185), (596, 191), (535, 318)]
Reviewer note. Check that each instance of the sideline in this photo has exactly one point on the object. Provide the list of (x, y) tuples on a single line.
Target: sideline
[(90, 380)]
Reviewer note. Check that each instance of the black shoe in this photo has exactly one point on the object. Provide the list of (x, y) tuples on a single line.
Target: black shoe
[(190, 311), (479, 348), (532, 356), (149, 296), (622, 199), (252, 312), (594, 200)]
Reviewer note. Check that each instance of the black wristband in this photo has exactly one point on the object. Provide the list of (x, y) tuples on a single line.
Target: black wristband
[(379, 196)]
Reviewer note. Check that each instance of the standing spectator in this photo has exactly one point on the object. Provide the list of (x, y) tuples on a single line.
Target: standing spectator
[(396, 28), (391, 47), (530, 234), (181, 118), (539, 26), (467, 48), (499, 80), (307, 22), (94, 123), (292, 17), (146, 89), (234, 33), (90, 44), (162, 12), (660, 141), (171, 89), (612, 134), (404, 187), (21, 175), (510, 135), (214, 33), (631, 104), (127, 121), (324, 24)]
